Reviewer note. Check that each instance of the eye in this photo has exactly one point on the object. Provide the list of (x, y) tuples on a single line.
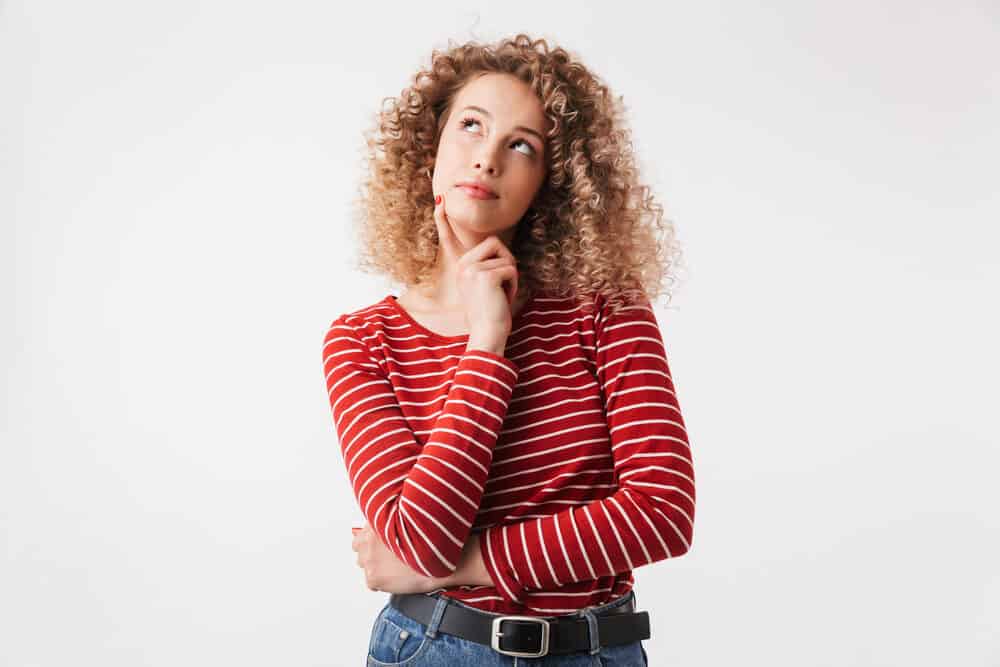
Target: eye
[(531, 149), (466, 122)]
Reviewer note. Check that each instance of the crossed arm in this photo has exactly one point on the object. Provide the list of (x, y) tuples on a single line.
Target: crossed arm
[(471, 569), (649, 518), (385, 572)]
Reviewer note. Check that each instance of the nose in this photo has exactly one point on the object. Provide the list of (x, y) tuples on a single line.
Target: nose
[(487, 166), (488, 161)]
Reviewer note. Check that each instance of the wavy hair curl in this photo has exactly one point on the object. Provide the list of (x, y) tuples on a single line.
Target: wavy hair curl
[(594, 229)]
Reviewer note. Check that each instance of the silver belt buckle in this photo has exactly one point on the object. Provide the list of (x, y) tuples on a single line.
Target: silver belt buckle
[(497, 633)]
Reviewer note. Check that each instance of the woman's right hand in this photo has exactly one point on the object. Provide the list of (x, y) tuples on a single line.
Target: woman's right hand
[(487, 280)]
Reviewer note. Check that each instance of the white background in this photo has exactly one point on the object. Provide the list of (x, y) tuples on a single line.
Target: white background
[(175, 184)]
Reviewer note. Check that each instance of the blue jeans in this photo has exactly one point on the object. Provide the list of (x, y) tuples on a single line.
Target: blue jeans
[(399, 641)]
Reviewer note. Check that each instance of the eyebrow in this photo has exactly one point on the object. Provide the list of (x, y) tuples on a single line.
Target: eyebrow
[(519, 127)]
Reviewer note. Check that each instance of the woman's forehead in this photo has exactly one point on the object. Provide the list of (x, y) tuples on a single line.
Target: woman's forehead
[(502, 96)]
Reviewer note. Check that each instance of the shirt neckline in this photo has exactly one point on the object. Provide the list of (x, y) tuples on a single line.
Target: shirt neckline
[(393, 302)]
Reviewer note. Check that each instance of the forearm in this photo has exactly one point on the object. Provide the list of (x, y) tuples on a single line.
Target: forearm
[(471, 570)]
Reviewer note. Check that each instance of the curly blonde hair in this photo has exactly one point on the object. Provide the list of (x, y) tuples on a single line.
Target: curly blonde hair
[(593, 229)]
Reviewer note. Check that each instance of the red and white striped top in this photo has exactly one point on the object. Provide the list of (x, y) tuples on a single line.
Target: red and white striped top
[(568, 454)]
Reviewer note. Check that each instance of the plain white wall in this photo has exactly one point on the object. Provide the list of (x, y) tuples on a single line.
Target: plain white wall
[(174, 207)]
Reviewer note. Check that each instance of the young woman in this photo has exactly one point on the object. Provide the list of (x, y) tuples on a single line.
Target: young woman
[(509, 424)]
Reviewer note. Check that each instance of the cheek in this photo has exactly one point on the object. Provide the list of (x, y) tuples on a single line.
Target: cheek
[(444, 162), (449, 148), (527, 187)]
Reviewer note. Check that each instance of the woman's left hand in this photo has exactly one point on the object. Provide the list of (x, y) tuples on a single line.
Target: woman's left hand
[(385, 572)]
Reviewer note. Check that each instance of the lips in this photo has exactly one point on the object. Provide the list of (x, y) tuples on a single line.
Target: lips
[(477, 191)]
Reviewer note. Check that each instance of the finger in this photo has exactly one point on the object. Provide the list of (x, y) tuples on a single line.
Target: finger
[(448, 241), (502, 276), (469, 269), (488, 264), (488, 248), (507, 277)]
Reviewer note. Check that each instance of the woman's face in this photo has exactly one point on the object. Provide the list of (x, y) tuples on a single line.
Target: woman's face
[(494, 135)]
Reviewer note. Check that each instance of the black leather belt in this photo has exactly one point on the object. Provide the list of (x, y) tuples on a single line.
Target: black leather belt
[(528, 636)]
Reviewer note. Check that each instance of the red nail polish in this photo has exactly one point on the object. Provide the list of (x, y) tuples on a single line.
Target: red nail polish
[(437, 199)]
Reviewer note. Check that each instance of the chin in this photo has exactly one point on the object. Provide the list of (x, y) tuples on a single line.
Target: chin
[(483, 224)]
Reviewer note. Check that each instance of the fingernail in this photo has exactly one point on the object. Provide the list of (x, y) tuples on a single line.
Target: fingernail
[(437, 199)]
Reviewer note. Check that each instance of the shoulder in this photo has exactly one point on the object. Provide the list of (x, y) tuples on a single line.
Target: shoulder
[(623, 312), (360, 324), (547, 299)]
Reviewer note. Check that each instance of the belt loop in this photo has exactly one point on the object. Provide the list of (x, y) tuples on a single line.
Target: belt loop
[(432, 627), (595, 638)]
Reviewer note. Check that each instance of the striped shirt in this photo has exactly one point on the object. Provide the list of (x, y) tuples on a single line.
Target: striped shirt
[(568, 454)]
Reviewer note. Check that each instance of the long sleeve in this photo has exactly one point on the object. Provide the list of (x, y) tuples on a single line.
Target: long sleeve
[(650, 516), (421, 499)]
